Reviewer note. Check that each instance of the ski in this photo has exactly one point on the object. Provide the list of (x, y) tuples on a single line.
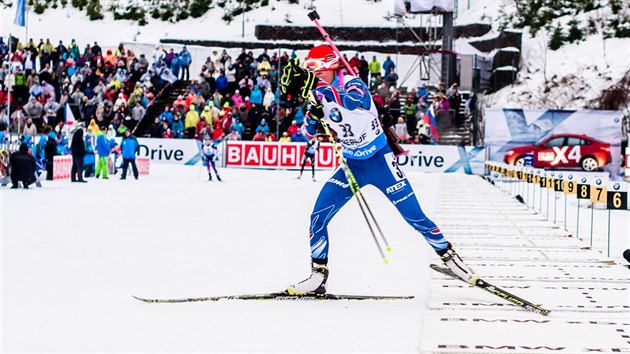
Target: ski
[(495, 290), (278, 296)]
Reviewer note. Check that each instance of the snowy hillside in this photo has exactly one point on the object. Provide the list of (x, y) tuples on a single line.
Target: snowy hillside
[(570, 77)]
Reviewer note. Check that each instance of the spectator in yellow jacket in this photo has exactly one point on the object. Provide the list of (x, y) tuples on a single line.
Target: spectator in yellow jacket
[(190, 123), (285, 138), (207, 115)]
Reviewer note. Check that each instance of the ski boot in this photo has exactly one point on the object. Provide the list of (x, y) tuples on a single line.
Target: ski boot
[(452, 260), (314, 284), (209, 176), (218, 178)]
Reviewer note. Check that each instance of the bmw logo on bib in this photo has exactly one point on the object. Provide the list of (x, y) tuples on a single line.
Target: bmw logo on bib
[(335, 115)]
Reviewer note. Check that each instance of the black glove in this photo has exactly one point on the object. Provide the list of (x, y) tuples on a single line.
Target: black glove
[(386, 117), (316, 111), (296, 82)]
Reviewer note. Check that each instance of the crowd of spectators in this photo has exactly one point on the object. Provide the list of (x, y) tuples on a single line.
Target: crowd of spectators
[(113, 87), (231, 98), (48, 84), (236, 99)]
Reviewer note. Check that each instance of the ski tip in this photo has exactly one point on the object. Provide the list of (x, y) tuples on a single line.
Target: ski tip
[(143, 299), (140, 299), (386, 261), (389, 248)]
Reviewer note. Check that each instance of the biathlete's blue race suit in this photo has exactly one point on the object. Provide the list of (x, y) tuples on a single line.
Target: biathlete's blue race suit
[(349, 110)]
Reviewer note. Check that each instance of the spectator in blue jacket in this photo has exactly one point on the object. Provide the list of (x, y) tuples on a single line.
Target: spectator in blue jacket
[(222, 83), (238, 127), (38, 151), (178, 127), (256, 97), (184, 60), (262, 127), (299, 116), (388, 64), (423, 94), (176, 65), (167, 115), (28, 140), (102, 147), (298, 137), (129, 146)]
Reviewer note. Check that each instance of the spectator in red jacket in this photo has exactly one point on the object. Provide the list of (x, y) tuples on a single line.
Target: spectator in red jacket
[(293, 128)]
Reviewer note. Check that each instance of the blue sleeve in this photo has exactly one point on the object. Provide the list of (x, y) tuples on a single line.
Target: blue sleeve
[(309, 128), (353, 95)]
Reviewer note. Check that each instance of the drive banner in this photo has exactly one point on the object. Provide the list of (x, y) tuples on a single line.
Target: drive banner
[(173, 151), (507, 128), (443, 159)]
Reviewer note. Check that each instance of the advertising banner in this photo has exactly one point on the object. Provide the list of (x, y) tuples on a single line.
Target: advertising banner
[(424, 158), (62, 165), (256, 154), (143, 164), (443, 158), (173, 151), (509, 128)]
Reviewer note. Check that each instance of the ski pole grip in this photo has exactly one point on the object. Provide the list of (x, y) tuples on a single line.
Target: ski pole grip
[(313, 15)]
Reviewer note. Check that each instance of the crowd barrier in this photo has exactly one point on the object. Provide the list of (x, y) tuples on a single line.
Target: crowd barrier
[(62, 165), (143, 164)]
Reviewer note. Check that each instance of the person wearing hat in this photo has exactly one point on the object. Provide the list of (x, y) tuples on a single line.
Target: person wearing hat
[(103, 150), (285, 138), (355, 62), (190, 122), (128, 148), (293, 128), (345, 104), (185, 59), (177, 127)]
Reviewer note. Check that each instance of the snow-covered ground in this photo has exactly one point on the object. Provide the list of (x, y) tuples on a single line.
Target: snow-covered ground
[(73, 254)]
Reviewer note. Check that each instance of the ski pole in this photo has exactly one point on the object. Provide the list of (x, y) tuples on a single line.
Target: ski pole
[(314, 16), (356, 191)]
